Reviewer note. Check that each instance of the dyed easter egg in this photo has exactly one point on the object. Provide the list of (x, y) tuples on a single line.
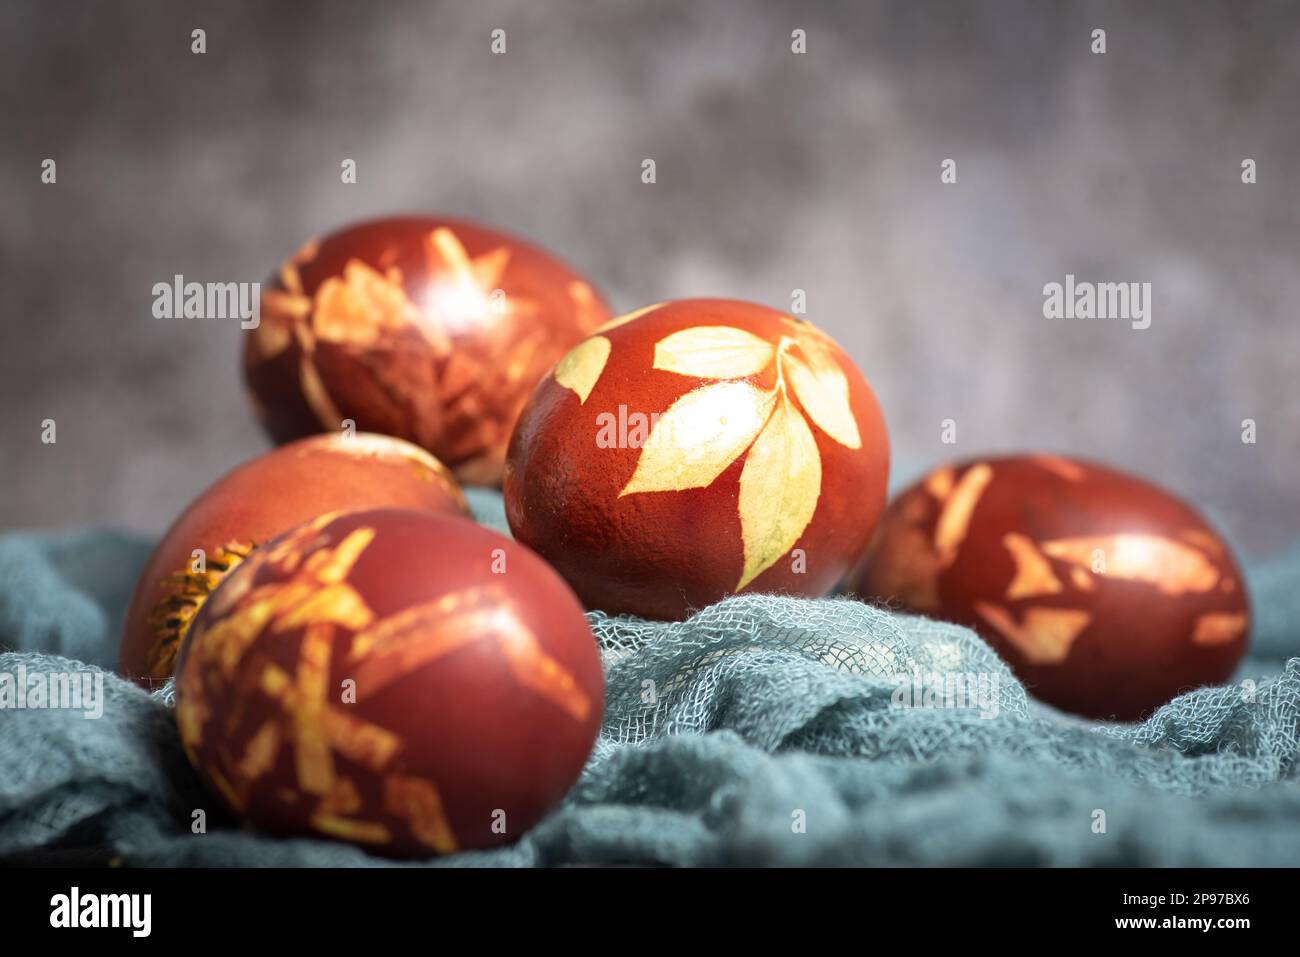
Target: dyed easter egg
[(255, 502), (694, 450), (432, 330), (409, 682), (1107, 595)]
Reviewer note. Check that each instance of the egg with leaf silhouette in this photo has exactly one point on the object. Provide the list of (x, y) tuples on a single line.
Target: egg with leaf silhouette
[(430, 329), (410, 682), (697, 449), (1106, 594)]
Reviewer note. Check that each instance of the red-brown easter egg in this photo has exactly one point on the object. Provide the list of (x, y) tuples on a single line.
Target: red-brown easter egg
[(695, 449), (1107, 595), (255, 502), (432, 330), (413, 683)]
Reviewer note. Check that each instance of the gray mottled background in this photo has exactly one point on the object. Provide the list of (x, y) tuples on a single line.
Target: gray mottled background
[(775, 171)]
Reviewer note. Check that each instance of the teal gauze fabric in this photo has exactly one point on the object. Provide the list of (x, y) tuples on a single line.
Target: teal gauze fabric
[(761, 731)]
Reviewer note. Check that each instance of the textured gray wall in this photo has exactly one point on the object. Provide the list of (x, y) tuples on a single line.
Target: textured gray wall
[(775, 171)]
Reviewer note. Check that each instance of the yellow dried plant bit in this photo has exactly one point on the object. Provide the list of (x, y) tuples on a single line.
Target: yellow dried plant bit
[(1171, 566), (316, 395), (958, 509), (344, 799), (467, 282), (350, 829), (489, 269), (360, 741), (336, 604), (941, 482), (192, 714), (779, 489), (185, 593), (419, 803), (822, 389), (261, 751), (699, 436), (1044, 635), (332, 566), (361, 305), (288, 305), (537, 671), (313, 755), (713, 352), (1034, 575), (1219, 627), (400, 627), (447, 254), (414, 646), (581, 367)]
